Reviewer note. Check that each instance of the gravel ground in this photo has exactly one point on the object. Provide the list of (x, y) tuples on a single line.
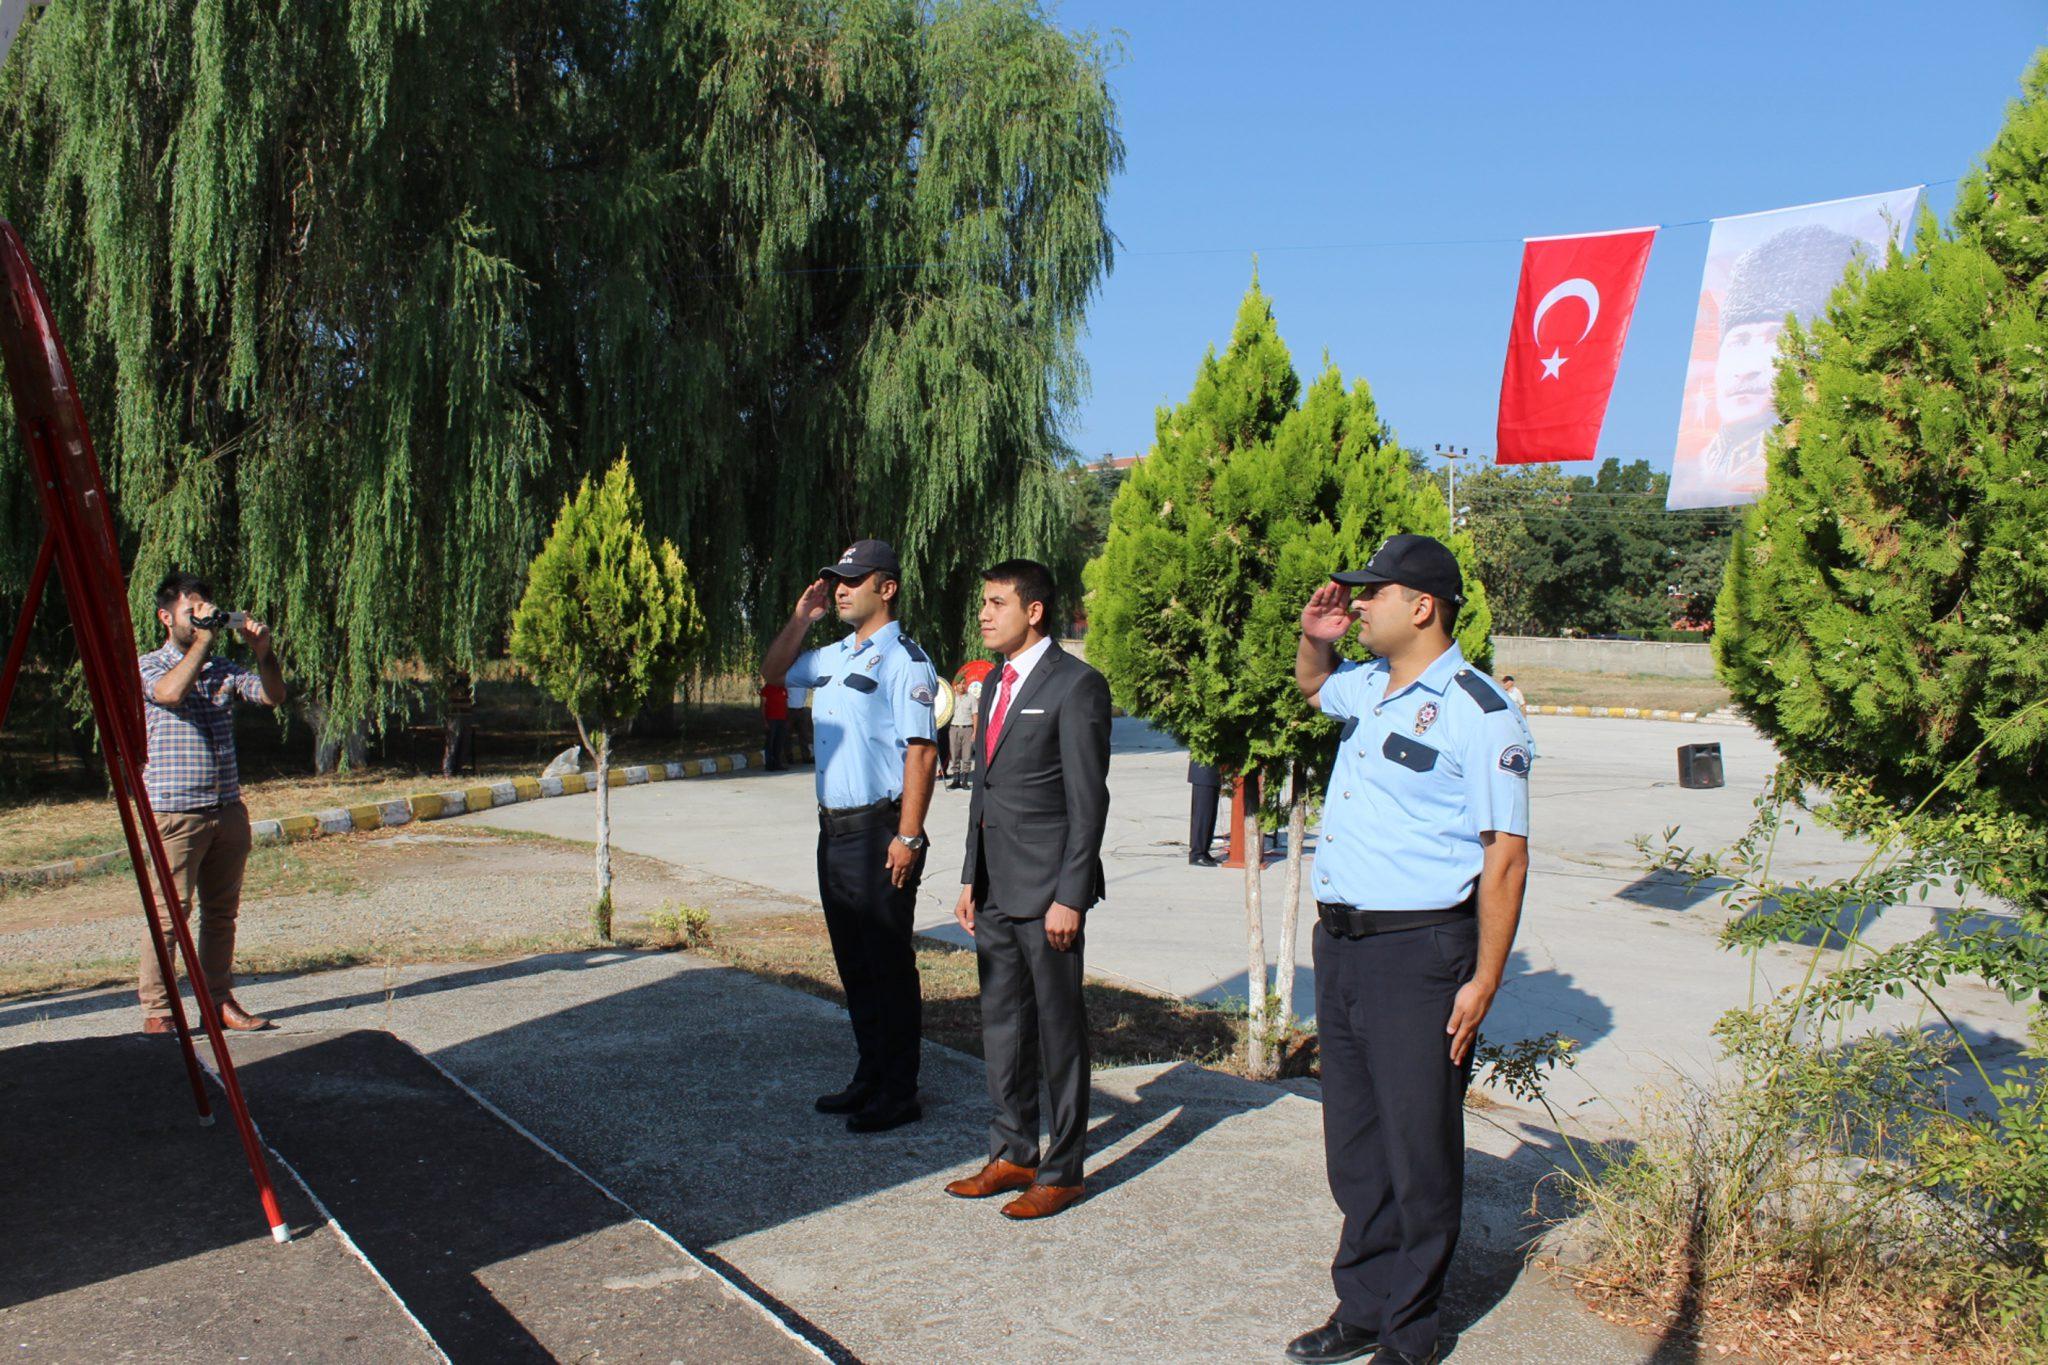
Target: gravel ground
[(410, 894)]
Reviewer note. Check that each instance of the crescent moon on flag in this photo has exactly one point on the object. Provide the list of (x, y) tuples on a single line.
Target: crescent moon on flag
[(1581, 289)]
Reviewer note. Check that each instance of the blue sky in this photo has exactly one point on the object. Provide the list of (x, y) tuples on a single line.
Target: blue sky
[(1303, 129)]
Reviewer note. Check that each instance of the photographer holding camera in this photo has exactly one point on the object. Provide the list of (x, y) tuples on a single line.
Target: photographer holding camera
[(194, 783)]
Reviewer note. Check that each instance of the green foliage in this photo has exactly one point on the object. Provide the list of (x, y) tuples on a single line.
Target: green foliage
[(608, 619), (1247, 503), (1887, 606), (358, 291), (1591, 555)]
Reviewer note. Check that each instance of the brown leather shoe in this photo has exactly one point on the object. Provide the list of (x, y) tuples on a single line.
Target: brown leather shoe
[(159, 1025), (1042, 1201), (239, 1020), (998, 1177)]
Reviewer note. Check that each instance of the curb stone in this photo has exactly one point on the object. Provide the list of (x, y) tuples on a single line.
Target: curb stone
[(1727, 715), (404, 810)]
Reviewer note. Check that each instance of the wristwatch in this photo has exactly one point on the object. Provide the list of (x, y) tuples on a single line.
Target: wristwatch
[(913, 842)]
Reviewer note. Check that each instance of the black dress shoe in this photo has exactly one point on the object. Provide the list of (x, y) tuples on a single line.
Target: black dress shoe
[(1202, 860), (848, 1101), (1332, 1342), (881, 1113)]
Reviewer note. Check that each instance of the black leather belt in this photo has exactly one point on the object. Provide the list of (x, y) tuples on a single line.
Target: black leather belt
[(854, 819), (1348, 921)]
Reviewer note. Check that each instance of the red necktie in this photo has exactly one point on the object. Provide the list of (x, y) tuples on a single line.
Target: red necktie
[(995, 719)]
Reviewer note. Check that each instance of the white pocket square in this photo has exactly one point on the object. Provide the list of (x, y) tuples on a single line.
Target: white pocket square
[(1032, 711)]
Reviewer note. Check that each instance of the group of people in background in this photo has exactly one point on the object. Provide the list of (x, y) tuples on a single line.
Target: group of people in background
[(1418, 877)]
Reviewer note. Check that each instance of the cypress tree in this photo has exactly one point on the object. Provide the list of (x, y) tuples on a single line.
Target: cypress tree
[(1885, 612)]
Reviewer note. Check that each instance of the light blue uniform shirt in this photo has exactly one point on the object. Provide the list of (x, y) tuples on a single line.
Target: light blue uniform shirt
[(1420, 775), (868, 701)]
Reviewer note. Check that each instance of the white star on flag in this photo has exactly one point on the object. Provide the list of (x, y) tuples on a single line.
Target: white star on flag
[(1552, 363)]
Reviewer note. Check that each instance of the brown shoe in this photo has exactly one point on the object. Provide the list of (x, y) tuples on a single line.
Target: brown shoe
[(998, 1177), (239, 1020), (159, 1025), (1042, 1201)]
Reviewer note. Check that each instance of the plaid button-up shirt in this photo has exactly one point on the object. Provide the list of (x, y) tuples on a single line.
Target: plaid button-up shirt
[(192, 745)]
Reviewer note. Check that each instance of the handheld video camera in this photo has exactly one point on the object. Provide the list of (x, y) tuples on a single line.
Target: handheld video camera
[(219, 620)]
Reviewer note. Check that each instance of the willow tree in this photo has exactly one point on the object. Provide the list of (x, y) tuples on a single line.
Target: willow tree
[(359, 291)]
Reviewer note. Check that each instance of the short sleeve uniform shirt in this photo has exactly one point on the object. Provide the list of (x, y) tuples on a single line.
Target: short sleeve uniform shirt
[(1420, 775), (869, 700)]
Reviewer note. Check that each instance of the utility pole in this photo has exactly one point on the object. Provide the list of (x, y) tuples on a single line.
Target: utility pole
[(1451, 456)]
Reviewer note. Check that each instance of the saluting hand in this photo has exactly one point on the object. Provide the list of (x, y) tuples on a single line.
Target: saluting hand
[(1327, 617), (816, 600)]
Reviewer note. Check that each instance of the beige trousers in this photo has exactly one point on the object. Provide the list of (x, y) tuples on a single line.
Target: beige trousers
[(209, 851)]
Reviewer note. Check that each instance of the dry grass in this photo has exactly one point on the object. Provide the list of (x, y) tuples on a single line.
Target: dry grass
[(1556, 687), (1126, 1027)]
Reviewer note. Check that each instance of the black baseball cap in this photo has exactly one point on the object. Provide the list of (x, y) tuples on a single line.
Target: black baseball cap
[(865, 557), (1420, 562)]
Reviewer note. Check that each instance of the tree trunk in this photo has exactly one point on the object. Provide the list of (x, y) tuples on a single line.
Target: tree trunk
[(458, 699), (1290, 909), (601, 916), (1256, 1060), (332, 749)]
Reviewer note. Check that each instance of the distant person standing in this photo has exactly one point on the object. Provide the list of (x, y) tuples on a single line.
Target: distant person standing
[(800, 723), (775, 726), (1204, 783), (967, 686), (194, 783), (1507, 683)]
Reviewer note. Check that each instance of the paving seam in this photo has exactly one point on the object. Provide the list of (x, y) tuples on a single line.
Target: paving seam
[(319, 1206), (786, 1319)]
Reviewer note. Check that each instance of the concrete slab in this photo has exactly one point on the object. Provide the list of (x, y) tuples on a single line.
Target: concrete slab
[(1623, 962), (685, 1087), (133, 1233)]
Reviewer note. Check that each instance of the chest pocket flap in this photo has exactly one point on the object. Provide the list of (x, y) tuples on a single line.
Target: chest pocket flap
[(1409, 754), (861, 682)]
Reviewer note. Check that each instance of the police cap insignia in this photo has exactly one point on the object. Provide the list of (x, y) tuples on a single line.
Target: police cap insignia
[(1515, 759)]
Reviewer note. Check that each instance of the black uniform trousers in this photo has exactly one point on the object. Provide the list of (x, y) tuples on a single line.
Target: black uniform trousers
[(1033, 1024), (868, 921), (1393, 1120)]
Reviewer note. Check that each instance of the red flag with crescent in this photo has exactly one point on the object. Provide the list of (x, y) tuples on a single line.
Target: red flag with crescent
[(1571, 318)]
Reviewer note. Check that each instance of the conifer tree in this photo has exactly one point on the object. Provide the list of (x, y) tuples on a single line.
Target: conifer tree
[(1243, 508), (608, 620), (1885, 611)]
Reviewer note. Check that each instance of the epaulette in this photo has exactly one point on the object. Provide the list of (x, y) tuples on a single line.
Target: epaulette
[(1489, 700), (910, 647)]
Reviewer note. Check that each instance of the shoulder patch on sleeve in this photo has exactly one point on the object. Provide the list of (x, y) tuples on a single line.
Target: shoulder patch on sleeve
[(923, 695), (1481, 691), (910, 647), (1515, 759)]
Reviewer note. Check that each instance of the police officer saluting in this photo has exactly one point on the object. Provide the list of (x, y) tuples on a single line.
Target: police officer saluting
[(1418, 875), (877, 760)]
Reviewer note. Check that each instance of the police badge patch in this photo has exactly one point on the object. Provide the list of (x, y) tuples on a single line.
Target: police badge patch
[(1515, 759), (1425, 717), (923, 695)]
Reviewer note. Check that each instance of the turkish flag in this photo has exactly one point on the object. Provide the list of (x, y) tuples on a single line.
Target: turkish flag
[(1571, 318)]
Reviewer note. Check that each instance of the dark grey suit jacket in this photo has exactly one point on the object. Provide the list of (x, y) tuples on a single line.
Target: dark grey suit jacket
[(1041, 800)]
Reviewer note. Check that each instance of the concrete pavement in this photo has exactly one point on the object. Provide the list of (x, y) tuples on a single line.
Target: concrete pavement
[(685, 1087), (1625, 963)]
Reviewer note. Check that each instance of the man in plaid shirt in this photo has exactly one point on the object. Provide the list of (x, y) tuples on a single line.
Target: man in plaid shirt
[(195, 787)]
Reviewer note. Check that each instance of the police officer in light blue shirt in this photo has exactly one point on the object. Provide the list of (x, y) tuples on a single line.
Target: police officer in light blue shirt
[(876, 751), (1418, 879)]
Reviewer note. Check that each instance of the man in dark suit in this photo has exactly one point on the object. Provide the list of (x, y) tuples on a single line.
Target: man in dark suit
[(1034, 867)]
